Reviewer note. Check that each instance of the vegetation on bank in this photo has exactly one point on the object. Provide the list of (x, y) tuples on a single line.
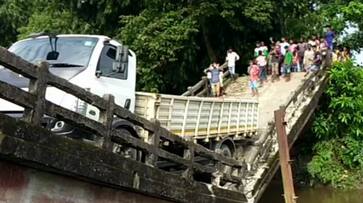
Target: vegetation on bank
[(338, 129)]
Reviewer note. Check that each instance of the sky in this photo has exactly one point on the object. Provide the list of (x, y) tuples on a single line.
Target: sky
[(357, 56)]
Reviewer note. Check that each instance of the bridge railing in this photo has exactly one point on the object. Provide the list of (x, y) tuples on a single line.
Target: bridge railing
[(35, 106), (201, 88), (300, 99), (294, 105), (297, 111)]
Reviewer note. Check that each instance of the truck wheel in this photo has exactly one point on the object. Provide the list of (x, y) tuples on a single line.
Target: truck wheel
[(126, 151), (226, 151)]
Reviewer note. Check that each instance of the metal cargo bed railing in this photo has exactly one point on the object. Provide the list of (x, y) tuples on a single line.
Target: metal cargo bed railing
[(197, 117)]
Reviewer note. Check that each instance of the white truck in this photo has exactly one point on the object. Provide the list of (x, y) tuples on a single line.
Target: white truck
[(104, 66)]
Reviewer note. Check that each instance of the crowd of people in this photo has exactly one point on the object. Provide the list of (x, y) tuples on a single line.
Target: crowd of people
[(279, 59), (286, 56)]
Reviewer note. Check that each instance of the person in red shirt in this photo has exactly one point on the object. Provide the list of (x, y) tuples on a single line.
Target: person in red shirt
[(254, 78)]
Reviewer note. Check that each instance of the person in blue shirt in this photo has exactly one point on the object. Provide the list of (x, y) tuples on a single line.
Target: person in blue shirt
[(213, 74), (329, 37)]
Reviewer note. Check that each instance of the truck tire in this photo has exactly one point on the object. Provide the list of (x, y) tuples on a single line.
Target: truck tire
[(226, 147), (126, 151), (226, 151)]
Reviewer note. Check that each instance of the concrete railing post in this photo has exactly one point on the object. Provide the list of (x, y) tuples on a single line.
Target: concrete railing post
[(189, 155), (106, 118), (38, 88), (153, 139)]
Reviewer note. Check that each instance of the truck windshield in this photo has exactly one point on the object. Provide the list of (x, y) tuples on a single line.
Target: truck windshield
[(72, 50), (74, 56)]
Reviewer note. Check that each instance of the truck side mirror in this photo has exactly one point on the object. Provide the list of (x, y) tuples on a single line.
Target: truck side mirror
[(122, 59), (52, 55)]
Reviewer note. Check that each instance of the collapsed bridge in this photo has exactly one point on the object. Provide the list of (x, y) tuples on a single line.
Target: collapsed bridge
[(83, 170)]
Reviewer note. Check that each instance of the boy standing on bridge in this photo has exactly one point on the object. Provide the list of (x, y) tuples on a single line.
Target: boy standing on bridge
[(254, 77)]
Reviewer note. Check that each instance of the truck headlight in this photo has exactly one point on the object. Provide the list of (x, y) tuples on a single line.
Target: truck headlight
[(81, 106)]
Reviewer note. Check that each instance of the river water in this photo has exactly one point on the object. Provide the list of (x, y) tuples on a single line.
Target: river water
[(273, 194)]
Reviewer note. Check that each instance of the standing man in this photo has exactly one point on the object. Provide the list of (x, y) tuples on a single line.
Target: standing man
[(308, 58), (288, 59), (213, 74), (231, 59), (274, 62), (312, 41), (257, 49), (264, 49), (283, 46), (301, 47), (261, 62), (316, 63), (329, 37)]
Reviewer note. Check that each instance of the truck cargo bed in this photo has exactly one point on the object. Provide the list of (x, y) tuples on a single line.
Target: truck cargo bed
[(199, 117)]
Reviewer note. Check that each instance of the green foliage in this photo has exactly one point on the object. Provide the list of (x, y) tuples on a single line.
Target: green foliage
[(338, 158), (57, 22), (176, 40), (13, 14), (169, 36), (327, 166), (163, 42), (296, 18), (341, 13)]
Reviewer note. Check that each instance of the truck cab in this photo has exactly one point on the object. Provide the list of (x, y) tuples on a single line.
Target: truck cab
[(96, 63)]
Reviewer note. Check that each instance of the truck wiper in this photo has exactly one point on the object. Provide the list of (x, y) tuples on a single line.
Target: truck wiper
[(61, 65)]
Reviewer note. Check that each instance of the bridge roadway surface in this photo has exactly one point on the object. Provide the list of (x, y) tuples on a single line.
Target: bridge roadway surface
[(271, 95)]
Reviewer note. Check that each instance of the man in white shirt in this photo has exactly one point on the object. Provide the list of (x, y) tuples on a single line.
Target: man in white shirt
[(312, 41), (283, 44), (257, 49), (231, 59)]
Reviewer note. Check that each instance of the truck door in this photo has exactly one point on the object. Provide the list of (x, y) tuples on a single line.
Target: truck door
[(109, 81)]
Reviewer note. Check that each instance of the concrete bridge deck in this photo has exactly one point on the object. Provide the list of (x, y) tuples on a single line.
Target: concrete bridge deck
[(299, 97), (271, 95)]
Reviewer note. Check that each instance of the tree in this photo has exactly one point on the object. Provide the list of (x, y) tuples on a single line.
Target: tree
[(164, 43), (342, 13), (13, 14), (174, 40), (338, 157)]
